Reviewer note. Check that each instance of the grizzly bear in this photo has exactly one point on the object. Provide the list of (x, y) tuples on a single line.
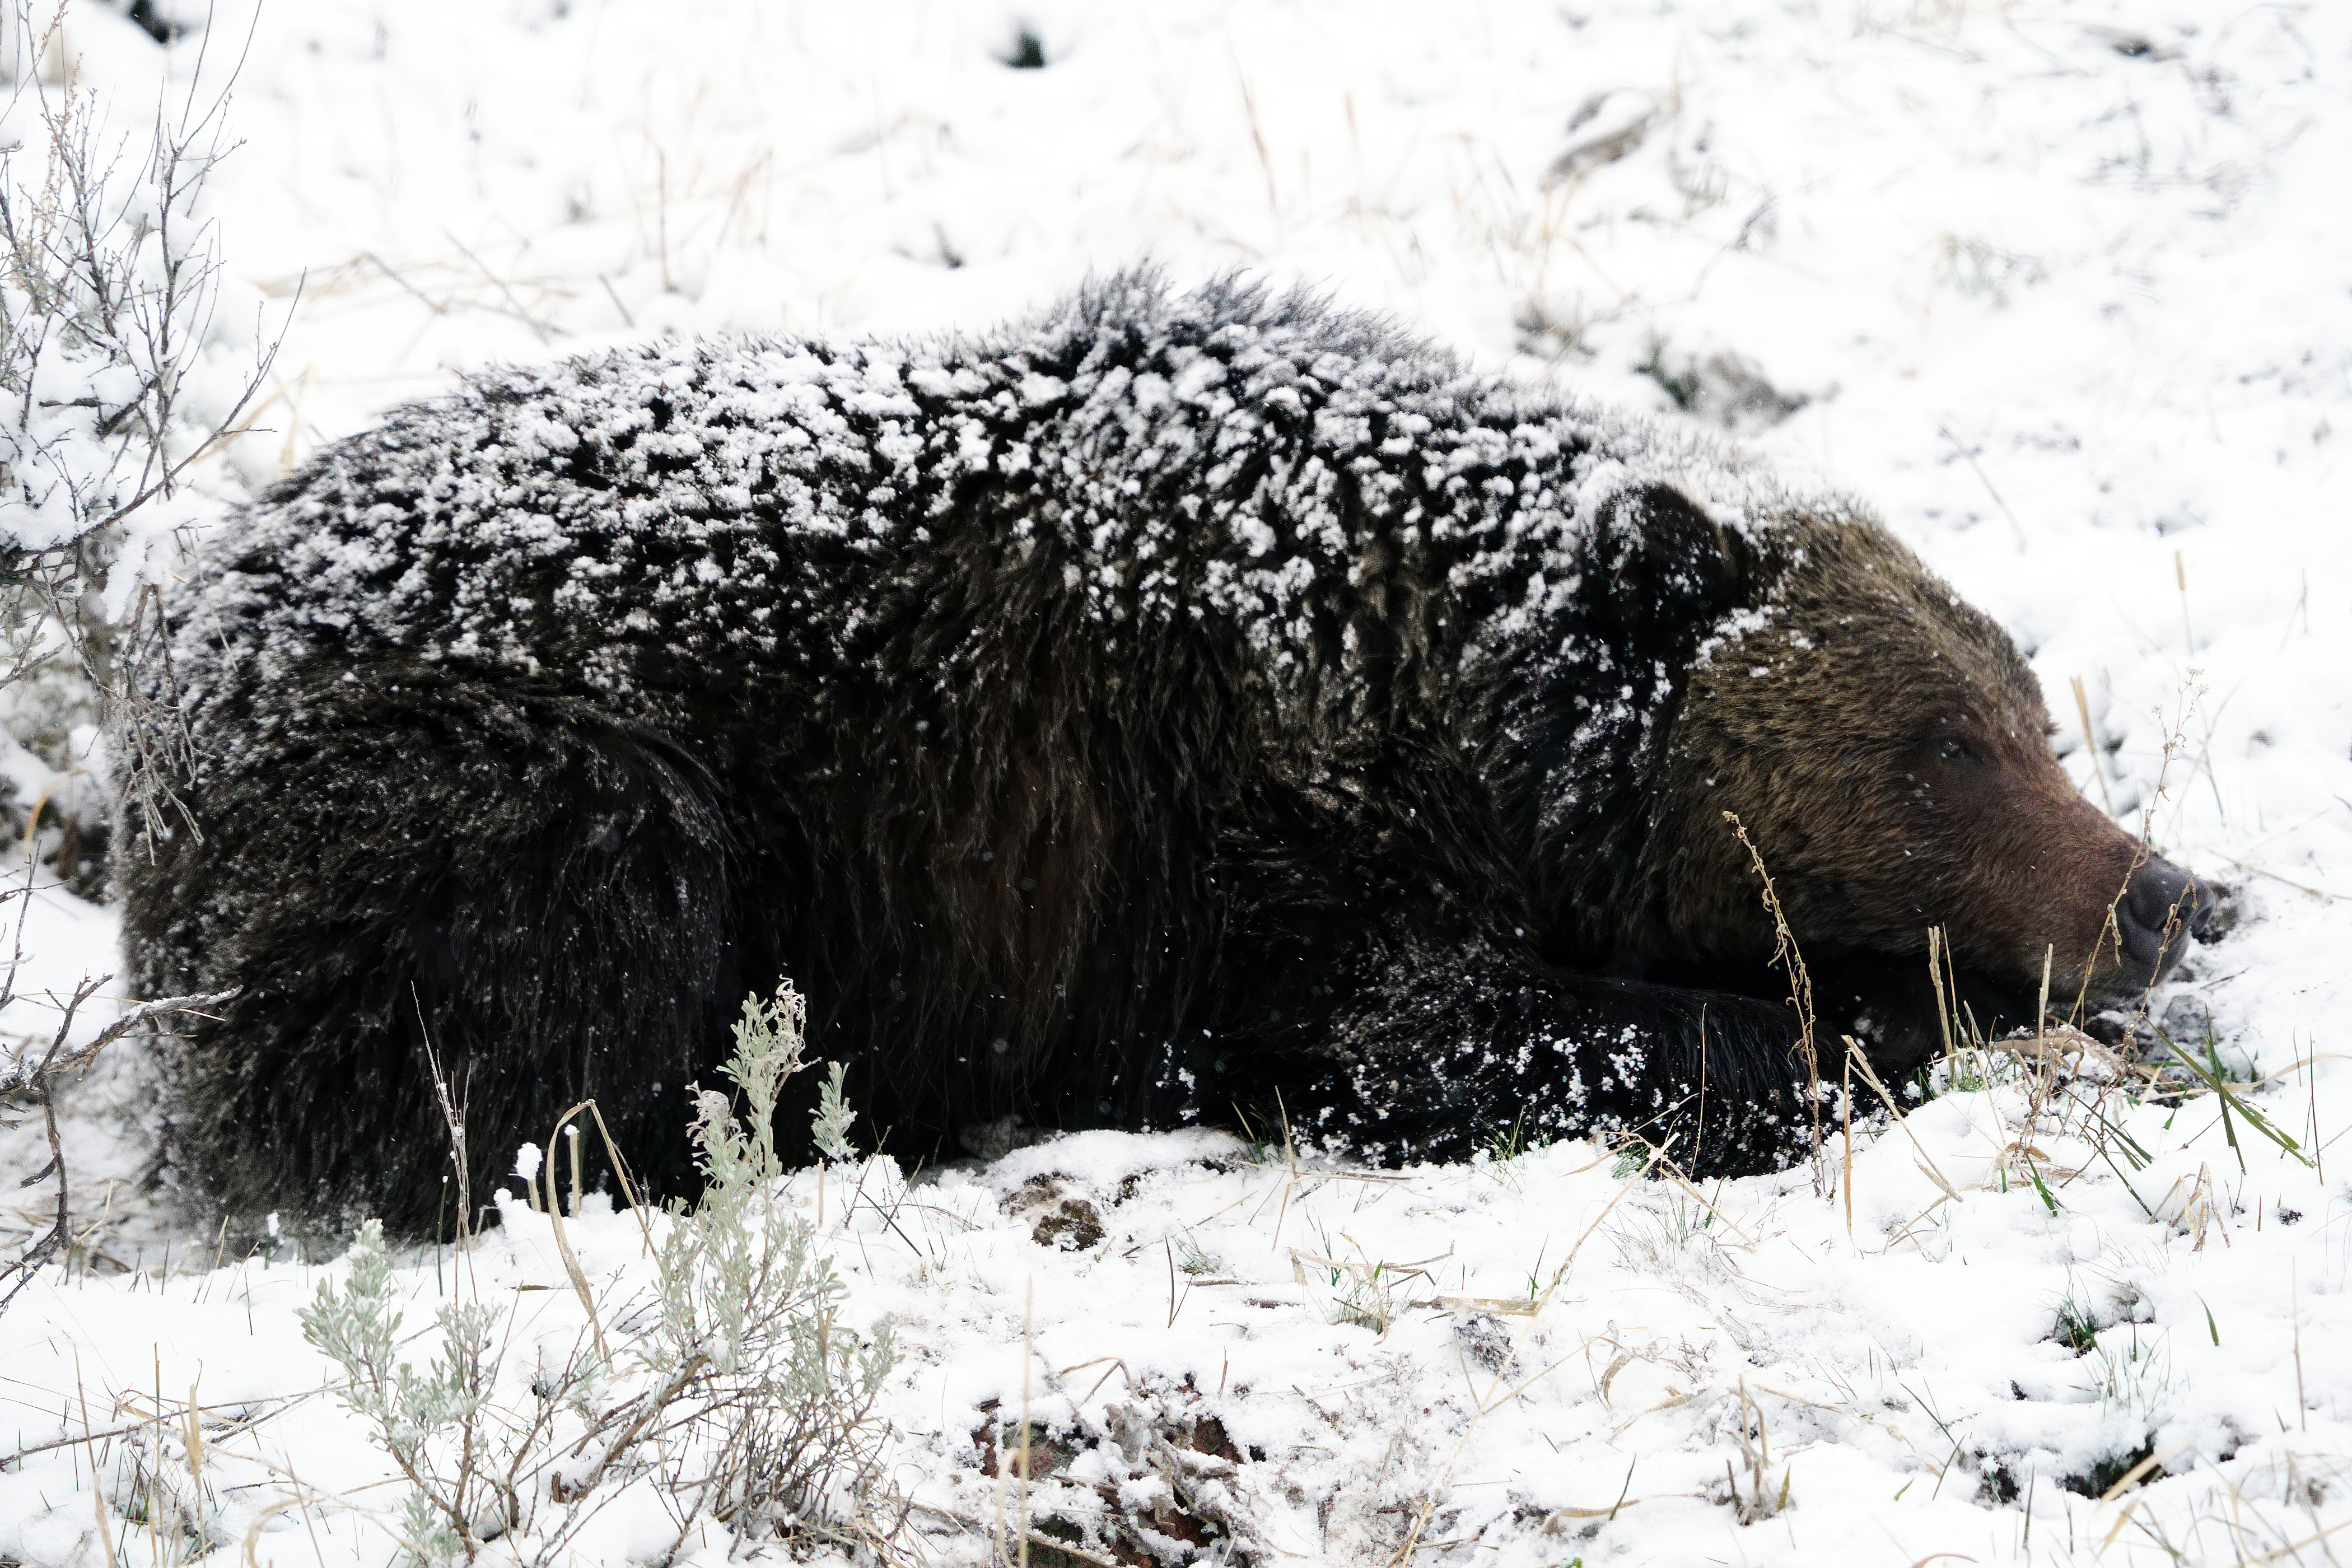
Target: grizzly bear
[(1184, 707)]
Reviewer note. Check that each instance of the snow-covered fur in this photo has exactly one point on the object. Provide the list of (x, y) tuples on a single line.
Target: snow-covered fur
[(1179, 707)]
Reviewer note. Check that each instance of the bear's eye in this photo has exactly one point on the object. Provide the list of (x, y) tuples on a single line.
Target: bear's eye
[(1958, 751)]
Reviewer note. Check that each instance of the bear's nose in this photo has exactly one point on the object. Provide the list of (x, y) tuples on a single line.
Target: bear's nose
[(2161, 901)]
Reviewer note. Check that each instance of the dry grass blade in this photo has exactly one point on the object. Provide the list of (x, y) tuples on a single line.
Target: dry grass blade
[(1756, 1454), (1502, 1305), (1801, 985), (562, 1243), (2091, 746), (621, 1175), (981, 1527), (1895, 1107)]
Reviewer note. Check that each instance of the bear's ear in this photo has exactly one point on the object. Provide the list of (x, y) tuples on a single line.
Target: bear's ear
[(1660, 534)]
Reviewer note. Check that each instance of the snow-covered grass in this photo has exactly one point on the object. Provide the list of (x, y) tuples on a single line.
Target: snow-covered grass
[(2059, 287)]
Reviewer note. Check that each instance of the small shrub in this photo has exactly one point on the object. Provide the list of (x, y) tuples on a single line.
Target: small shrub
[(110, 284), (761, 1398), (109, 280), (427, 1422), (750, 1311)]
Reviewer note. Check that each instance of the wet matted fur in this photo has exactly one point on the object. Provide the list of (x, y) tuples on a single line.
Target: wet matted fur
[(1177, 708)]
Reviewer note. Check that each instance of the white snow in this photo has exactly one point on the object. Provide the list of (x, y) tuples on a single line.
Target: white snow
[(2063, 286)]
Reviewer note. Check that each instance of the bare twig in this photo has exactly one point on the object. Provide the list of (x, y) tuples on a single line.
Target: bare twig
[(110, 284), (39, 1253), (82, 1056)]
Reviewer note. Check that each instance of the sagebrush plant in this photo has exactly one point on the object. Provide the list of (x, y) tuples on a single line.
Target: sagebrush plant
[(742, 1392), (835, 1117), (745, 1292), (428, 1422)]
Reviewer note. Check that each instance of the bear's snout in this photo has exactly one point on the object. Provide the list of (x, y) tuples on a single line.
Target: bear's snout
[(2159, 904)]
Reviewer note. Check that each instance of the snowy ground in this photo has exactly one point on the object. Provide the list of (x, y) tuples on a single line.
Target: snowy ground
[(2061, 288)]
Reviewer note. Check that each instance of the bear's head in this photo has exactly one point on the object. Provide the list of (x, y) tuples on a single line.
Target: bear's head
[(1887, 749)]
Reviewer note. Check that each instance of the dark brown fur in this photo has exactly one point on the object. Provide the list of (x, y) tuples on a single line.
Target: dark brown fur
[(1184, 707), (1872, 668)]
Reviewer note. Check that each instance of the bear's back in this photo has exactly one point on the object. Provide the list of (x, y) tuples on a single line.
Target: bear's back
[(673, 526)]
